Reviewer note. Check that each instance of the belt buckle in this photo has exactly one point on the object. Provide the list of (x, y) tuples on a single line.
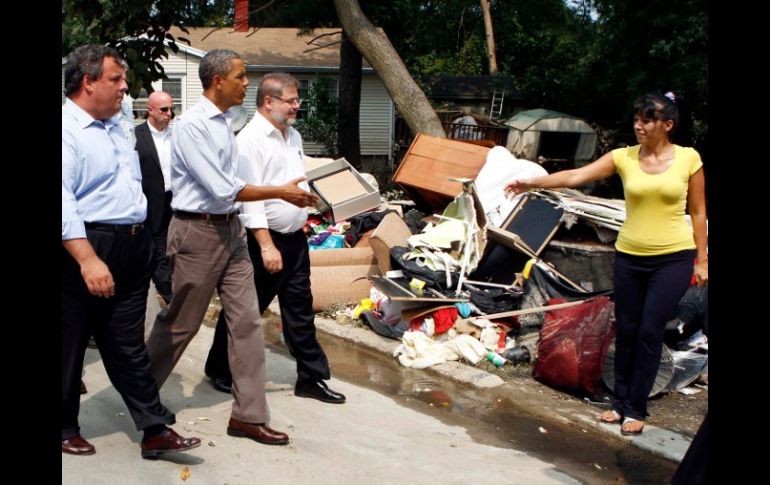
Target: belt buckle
[(135, 229)]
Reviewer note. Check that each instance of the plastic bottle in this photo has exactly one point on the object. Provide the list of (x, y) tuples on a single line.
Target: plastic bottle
[(496, 359)]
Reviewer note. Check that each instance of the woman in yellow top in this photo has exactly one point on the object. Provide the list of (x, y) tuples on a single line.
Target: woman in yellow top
[(655, 246)]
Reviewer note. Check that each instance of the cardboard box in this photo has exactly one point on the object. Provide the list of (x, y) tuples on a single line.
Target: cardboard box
[(428, 165), (340, 187), (342, 256), (340, 275), (392, 231), (319, 167)]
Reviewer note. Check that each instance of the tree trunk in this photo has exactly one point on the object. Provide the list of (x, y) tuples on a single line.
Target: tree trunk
[(410, 101), (490, 37), (350, 102)]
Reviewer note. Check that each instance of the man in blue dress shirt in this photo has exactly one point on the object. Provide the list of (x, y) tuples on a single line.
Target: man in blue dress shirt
[(106, 253), (271, 152), (207, 244)]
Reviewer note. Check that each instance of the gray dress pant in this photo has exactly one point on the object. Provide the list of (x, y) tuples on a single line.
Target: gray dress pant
[(207, 255)]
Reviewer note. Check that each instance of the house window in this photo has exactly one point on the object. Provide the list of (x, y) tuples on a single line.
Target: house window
[(140, 107), (334, 87), (304, 93), (173, 86)]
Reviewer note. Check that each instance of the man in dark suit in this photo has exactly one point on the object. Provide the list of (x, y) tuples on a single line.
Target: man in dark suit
[(153, 143)]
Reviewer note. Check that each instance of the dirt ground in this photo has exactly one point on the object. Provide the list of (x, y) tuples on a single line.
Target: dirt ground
[(673, 411)]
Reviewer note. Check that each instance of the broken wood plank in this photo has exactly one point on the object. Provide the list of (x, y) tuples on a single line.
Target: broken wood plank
[(536, 309)]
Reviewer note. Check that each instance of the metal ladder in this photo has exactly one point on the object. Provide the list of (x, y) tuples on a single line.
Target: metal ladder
[(496, 109)]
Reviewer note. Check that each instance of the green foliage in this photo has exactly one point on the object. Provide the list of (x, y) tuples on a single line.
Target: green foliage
[(654, 45), (208, 13), (138, 29), (468, 61), (322, 124), (589, 58)]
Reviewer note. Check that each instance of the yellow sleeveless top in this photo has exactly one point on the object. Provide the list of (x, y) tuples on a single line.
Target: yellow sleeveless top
[(655, 204)]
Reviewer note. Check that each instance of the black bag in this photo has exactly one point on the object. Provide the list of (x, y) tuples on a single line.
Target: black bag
[(433, 279), (495, 300)]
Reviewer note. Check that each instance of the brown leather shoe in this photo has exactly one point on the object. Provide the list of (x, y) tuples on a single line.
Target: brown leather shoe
[(258, 432), (167, 442), (77, 446)]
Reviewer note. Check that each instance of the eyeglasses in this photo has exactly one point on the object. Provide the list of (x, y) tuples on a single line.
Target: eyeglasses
[(166, 109), (297, 101)]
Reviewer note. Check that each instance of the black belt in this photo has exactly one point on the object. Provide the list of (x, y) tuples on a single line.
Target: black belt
[(208, 217), (285, 235), (132, 229)]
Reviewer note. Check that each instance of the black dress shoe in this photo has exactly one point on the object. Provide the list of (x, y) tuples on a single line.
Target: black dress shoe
[(260, 433), (167, 441), (77, 446), (222, 384), (318, 390), (83, 389)]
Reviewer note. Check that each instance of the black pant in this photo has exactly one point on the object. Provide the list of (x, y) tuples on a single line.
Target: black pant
[(292, 286), (161, 276), (117, 324), (647, 290)]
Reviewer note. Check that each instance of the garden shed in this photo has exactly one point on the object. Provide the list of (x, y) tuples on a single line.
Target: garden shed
[(555, 140)]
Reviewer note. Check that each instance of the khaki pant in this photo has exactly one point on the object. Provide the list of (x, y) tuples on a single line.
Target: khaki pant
[(207, 255)]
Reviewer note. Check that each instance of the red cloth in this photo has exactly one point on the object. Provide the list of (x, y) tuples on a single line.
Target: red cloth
[(443, 320), (693, 279)]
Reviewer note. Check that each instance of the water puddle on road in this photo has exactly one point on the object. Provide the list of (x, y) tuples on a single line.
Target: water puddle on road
[(491, 418)]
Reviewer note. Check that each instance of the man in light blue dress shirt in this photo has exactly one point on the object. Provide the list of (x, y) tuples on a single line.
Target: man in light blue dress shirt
[(207, 244), (106, 253), (271, 152)]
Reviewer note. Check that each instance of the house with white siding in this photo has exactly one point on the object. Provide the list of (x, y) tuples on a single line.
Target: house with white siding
[(277, 49)]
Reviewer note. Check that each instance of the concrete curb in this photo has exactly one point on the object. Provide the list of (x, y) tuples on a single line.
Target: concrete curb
[(658, 441)]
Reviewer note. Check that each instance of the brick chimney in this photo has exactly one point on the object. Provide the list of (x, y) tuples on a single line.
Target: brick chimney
[(241, 16)]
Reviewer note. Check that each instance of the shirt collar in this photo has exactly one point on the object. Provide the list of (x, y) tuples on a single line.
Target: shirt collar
[(212, 111), (82, 117), (155, 131), (209, 108), (268, 128)]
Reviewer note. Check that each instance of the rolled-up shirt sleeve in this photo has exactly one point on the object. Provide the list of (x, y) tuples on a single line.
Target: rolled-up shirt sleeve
[(72, 225), (251, 169), (205, 164)]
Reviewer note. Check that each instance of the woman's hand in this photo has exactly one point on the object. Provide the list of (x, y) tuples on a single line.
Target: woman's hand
[(701, 272), (517, 187)]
